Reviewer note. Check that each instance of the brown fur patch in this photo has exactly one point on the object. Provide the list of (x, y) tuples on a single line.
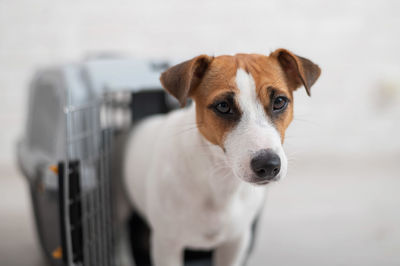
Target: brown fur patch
[(221, 77), (280, 73)]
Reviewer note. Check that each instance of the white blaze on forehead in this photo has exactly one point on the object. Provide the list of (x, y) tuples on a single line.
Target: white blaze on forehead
[(250, 104), (255, 129), (253, 133)]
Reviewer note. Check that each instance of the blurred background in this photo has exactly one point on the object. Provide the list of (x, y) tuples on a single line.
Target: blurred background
[(339, 204)]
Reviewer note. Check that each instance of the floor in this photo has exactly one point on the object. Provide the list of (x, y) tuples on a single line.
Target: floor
[(328, 211), (333, 212), (18, 244)]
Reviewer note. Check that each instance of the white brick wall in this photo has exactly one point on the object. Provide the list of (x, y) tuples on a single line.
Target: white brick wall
[(355, 42)]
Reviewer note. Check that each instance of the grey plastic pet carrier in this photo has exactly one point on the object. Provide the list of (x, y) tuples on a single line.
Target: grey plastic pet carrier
[(74, 111), (75, 114)]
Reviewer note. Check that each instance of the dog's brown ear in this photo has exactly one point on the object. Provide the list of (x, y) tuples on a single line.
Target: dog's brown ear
[(180, 80), (299, 70)]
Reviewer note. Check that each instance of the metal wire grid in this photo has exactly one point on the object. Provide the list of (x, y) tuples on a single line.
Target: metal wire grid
[(88, 142)]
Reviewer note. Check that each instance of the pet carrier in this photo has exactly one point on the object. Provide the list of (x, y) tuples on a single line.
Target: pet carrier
[(75, 114)]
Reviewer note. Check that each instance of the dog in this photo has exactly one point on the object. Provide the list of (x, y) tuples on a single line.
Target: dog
[(198, 175)]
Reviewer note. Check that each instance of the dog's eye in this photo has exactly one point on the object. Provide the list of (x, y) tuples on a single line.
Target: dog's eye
[(280, 103), (223, 107)]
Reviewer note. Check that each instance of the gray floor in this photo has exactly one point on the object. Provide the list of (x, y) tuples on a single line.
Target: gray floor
[(329, 211), (18, 245), (333, 212)]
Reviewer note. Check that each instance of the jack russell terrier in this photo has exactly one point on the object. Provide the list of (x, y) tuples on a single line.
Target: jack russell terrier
[(198, 175)]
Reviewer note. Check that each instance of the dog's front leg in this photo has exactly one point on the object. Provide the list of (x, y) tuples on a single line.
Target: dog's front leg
[(233, 252), (166, 251)]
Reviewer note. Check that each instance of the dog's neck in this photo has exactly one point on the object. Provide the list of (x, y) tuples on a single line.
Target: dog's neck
[(210, 168)]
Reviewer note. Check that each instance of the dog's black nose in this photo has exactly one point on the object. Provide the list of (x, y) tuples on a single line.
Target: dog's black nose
[(266, 164)]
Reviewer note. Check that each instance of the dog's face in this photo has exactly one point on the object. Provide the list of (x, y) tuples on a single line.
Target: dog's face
[(244, 104)]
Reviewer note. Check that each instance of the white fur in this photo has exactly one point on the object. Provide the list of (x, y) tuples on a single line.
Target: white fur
[(189, 190)]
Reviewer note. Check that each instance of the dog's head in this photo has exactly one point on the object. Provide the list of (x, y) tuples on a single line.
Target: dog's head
[(244, 104)]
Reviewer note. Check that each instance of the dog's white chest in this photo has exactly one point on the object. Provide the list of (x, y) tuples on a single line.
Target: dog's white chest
[(215, 223)]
